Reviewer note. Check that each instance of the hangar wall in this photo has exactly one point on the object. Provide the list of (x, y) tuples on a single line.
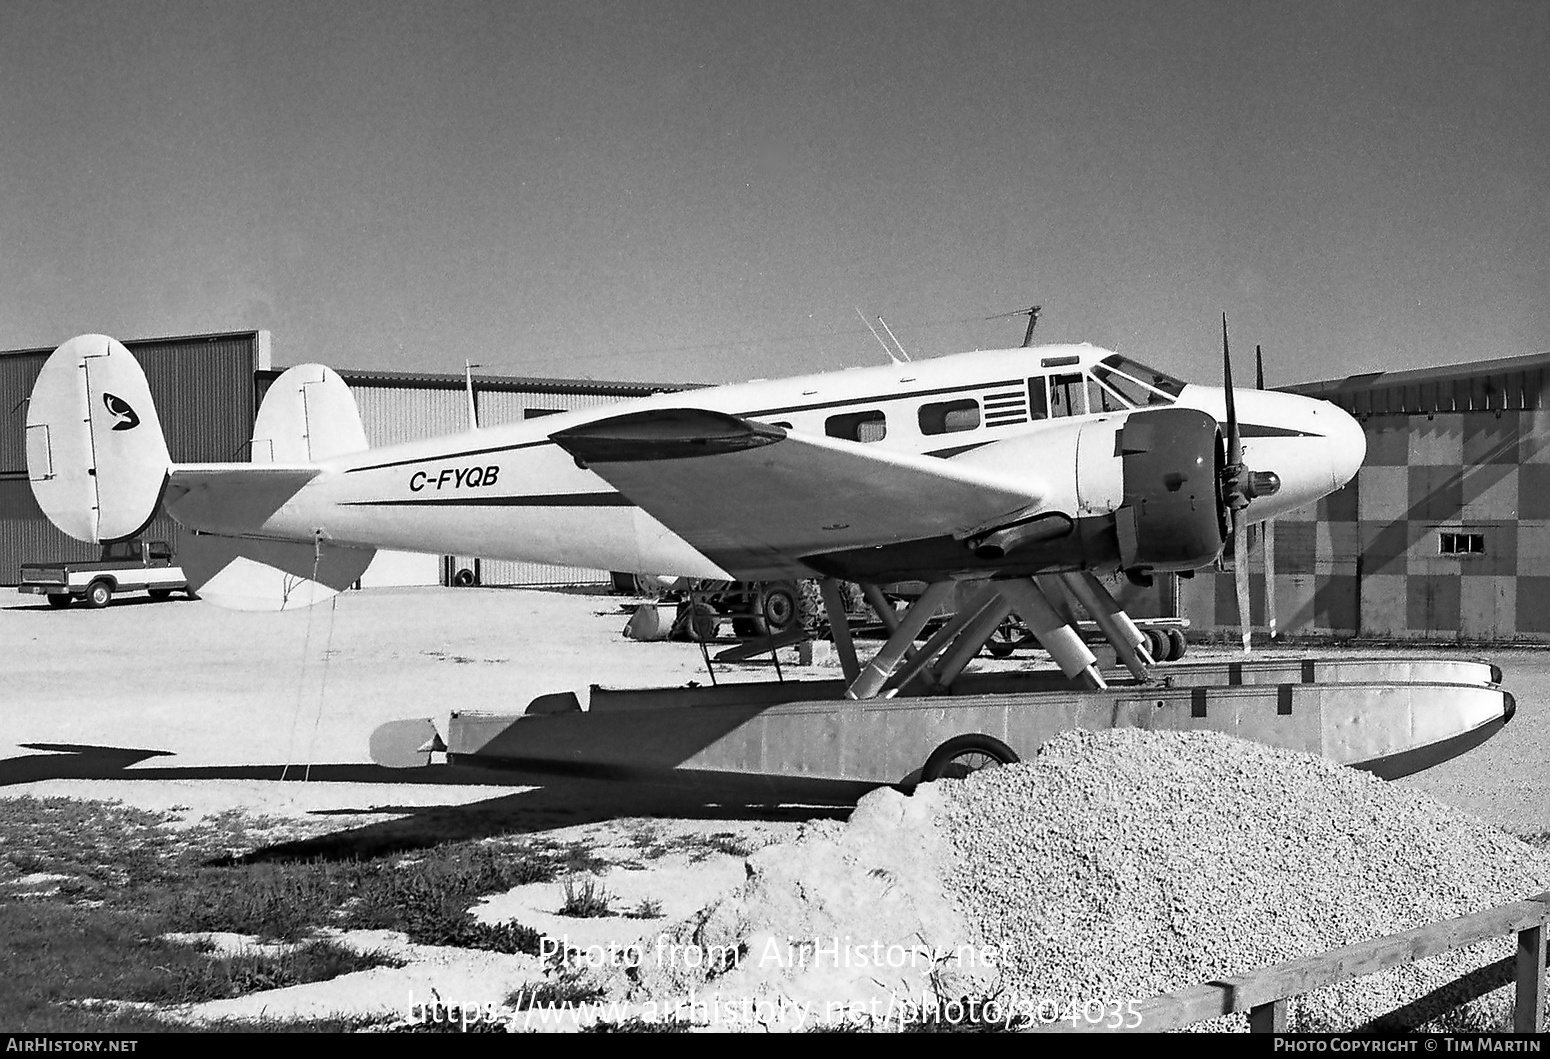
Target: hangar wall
[(1445, 532)]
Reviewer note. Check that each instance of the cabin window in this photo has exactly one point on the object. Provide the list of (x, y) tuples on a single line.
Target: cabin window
[(160, 551), (1454, 543), (1138, 383), (1101, 399), (864, 427), (1038, 399), (949, 417), (1068, 395)]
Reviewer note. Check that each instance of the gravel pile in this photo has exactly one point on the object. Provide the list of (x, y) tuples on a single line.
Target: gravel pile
[(1115, 866), (1123, 864)]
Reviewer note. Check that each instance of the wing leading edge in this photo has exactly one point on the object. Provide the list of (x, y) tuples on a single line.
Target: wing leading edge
[(756, 498)]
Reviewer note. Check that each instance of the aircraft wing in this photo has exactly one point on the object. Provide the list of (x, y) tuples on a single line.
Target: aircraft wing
[(756, 498)]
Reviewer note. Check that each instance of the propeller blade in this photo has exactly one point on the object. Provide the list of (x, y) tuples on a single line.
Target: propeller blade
[(1268, 537), (1240, 573), (1268, 530), (1234, 440)]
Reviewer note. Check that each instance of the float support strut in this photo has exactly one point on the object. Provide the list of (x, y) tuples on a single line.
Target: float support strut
[(1054, 635)]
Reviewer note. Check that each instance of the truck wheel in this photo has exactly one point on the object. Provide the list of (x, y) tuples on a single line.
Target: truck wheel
[(1177, 645), (696, 621), (159, 594), (963, 754), (99, 594), (779, 607), (59, 599)]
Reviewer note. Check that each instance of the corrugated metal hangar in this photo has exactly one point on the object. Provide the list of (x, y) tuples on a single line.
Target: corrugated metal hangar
[(1444, 534), (207, 389)]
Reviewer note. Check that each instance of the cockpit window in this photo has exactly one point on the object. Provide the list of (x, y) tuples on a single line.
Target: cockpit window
[(1137, 383)]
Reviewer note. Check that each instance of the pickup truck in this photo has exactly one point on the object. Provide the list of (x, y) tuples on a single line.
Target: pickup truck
[(125, 566)]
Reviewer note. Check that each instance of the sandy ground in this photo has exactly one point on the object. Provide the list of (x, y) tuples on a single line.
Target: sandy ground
[(185, 691), (185, 708)]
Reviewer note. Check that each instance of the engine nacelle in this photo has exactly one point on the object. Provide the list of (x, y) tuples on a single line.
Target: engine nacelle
[(1172, 515), (1154, 471)]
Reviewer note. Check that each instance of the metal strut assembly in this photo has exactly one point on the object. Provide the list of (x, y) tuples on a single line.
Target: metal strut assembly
[(1052, 632), (876, 672), (1128, 640), (962, 637)]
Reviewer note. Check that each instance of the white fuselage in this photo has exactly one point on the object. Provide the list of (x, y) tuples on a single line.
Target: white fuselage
[(510, 492)]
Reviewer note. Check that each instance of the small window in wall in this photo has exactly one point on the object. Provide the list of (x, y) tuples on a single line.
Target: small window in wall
[(857, 426), (1453, 543), (949, 417)]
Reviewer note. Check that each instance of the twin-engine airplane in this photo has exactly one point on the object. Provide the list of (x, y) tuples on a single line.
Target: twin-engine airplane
[(1018, 471)]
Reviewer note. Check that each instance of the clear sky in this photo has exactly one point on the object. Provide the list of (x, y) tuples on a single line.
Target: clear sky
[(708, 191)]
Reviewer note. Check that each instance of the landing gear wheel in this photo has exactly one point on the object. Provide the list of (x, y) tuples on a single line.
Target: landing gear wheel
[(965, 754), (1177, 645), (99, 595), (159, 594), (58, 599), (1004, 640), (1157, 644), (464, 578)]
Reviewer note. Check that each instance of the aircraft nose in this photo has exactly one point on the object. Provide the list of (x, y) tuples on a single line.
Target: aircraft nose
[(1347, 443)]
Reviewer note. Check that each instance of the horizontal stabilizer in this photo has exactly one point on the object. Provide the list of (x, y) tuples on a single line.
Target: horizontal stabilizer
[(232, 498), (246, 573), (405, 744), (756, 498), (96, 457)]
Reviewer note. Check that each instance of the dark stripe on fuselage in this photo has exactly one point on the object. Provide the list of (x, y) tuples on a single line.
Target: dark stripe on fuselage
[(541, 500), (1256, 430), (452, 455), (878, 398)]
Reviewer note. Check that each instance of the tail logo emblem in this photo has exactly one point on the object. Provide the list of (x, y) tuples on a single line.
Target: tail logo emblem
[(119, 409)]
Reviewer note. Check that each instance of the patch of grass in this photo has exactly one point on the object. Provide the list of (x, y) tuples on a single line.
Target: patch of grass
[(589, 900), (128, 877), (426, 896), (647, 908), (217, 977), (640, 1025), (100, 847), (565, 990), (58, 957)]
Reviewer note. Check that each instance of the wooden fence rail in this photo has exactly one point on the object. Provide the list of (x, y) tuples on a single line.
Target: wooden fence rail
[(1263, 993)]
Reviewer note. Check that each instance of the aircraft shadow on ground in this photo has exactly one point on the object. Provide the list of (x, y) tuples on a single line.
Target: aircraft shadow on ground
[(548, 802)]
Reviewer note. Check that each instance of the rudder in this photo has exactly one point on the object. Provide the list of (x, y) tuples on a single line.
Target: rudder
[(96, 457), (307, 416)]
